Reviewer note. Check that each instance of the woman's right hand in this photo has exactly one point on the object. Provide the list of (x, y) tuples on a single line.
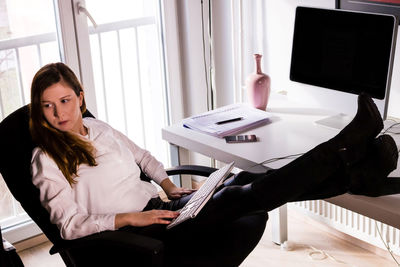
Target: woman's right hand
[(145, 218)]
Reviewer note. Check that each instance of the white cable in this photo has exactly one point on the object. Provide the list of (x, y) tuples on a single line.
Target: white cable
[(386, 244), (324, 255), (315, 254), (319, 255)]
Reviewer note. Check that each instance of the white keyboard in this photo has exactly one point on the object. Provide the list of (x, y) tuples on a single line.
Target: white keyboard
[(201, 196)]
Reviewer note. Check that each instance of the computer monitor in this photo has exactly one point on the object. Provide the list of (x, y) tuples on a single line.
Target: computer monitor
[(346, 51)]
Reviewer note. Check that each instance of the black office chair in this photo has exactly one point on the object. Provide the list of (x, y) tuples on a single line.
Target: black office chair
[(108, 248)]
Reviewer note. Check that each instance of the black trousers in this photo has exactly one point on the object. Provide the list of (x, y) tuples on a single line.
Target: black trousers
[(204, 242)]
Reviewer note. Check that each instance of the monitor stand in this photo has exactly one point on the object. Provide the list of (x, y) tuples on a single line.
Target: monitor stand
[(338, 121)]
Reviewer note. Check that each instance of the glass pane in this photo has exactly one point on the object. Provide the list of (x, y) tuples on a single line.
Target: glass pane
[(153, 97), (128, 70), (27, 41), (122, 10)]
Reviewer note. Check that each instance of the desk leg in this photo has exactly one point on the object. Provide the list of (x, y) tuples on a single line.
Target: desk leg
[(174, 152), (278, 219)]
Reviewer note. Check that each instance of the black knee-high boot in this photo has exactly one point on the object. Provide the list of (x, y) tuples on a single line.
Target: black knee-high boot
[(316, 166), (334, 185), (368, 177), (299, 177)]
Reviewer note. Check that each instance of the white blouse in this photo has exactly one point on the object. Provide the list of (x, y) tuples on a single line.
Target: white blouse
[(113, 186)]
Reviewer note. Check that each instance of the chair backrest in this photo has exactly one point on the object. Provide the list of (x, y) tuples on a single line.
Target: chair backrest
[(15, 166)]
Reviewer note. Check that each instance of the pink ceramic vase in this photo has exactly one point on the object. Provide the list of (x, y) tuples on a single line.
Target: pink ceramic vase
[(258, 86)]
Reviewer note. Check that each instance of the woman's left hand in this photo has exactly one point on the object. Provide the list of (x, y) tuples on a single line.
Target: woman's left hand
[(174, 192), (179, 192)]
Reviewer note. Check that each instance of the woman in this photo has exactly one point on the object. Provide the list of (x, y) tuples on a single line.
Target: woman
[(88, 173)]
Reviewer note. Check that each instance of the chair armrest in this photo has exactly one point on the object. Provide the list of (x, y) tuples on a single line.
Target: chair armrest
[(135, 242), (191, 169)]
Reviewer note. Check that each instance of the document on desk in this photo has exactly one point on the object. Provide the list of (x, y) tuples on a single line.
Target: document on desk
[(227, 120)]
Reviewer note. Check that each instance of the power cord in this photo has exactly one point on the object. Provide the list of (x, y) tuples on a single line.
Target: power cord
[(315, 254), (389, 129), (293, 156), (318, 254), (392, 129), (207, 69), (386, 244)]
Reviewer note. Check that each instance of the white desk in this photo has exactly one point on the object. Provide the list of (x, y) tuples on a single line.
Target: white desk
[(291, 131)]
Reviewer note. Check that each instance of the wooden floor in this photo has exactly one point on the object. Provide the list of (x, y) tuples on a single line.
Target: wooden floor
[(305, 237), (304, 234)]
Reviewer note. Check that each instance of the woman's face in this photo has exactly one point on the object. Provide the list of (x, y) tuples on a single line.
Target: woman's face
[(61, 108)]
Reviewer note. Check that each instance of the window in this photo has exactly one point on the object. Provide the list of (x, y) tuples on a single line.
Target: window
[(128, 70)]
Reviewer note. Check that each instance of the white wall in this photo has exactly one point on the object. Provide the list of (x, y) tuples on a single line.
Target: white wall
[(280, 21)]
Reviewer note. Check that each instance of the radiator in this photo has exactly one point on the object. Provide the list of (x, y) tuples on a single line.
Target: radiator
[(351, 223)]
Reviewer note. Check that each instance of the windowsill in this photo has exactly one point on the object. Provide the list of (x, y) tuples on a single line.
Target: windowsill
[(20, 232)]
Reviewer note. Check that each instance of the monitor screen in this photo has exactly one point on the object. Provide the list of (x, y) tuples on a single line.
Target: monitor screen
[(343, 50)]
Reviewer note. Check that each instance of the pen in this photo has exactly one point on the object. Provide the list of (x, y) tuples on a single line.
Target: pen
[(228, 121)]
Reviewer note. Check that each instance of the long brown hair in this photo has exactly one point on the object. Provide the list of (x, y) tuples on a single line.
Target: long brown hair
[(68, 150)]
